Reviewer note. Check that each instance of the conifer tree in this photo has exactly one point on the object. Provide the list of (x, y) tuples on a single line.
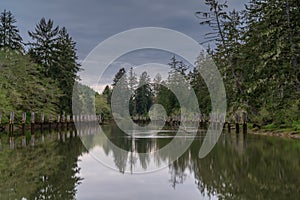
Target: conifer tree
[(9, 33)]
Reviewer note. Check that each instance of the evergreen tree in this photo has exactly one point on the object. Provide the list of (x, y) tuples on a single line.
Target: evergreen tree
[(107, 93), (144, 94), (43, 49), (121, 98), (132, 85), (9, 33), (55, 50), (66, 68)]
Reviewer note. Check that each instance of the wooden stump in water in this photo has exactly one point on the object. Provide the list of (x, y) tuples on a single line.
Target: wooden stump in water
[(32, 122), (244, 119), (237, 125), (11, 124), (229, 127)]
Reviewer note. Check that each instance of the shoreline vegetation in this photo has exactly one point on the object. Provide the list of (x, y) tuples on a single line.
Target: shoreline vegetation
[(256, 51)]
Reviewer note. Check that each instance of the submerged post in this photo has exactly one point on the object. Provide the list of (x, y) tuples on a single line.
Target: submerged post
[(57, 122), (23, 129), (244, 119), (50, 123), (237, 125), (42, 122), (63, 122), (68, 121), (228, 126), (23, 123), (11, 124), (32, 122)]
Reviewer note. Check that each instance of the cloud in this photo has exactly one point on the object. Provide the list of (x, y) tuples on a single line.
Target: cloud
[(90, 22)]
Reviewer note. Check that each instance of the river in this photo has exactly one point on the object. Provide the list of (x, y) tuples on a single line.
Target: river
[(57, 165)]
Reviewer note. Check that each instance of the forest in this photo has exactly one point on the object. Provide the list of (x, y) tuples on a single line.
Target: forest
[(37, 76), (257, 51)]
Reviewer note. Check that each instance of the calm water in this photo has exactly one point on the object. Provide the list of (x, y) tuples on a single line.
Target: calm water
[(58, 166)]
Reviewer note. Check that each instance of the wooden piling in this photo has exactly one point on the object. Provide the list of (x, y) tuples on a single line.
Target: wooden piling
[(50, 123), (228, 127), (63, 122), (42, 122), (237, 125), (244, 119), (68, 121), (23, 123), (11, 124), (57, 122), (32, 122)]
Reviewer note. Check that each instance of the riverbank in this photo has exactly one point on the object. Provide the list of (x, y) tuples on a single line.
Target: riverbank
[(276, 133)]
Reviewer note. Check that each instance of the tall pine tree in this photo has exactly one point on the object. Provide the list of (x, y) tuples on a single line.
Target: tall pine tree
[(9, 33)]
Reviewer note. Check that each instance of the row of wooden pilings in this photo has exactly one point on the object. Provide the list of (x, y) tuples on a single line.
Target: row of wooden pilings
[(240, 119), (61, 121)]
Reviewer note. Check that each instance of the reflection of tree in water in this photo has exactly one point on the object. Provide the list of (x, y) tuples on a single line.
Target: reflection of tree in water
[(45, 171), (63, 182), (235, 169), (265, 170)]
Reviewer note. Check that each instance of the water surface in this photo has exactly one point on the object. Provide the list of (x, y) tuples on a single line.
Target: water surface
[(57, 166)]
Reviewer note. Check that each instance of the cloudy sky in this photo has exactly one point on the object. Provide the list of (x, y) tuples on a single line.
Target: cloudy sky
[(91, 21)]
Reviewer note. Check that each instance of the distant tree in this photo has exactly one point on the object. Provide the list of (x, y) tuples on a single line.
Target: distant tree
[(157, 81), (144, 95), (132, 85), (121, 98), (9, 33), (178, 66), (107, 93), (118, 76)]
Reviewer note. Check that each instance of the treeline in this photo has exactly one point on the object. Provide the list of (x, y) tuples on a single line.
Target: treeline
[(140, 93), (258, 51), (36, 76)]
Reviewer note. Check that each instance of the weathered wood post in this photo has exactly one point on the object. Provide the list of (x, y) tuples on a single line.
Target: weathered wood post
[(32, 128), (57, 122), (63, 122), (50, 123), (42, 122), (23, 123), (68, 121), (237, 125), (244, 119), (23, 129), (11, 124), (229, 126), (11, 130), (32, 122)]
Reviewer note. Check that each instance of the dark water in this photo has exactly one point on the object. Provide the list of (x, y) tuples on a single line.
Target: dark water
[(58, 166)]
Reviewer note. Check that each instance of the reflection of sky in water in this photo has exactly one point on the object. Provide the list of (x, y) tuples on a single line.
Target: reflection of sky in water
[(101, 182)]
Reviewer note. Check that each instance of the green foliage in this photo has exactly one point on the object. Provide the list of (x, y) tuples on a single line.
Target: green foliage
[(144, 95), (23, 87), (9, 33), (102, 107), (257, 53), (55, 50)]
